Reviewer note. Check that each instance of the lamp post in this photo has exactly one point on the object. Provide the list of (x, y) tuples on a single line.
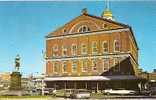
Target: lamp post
[(43, 75), (43, 84)]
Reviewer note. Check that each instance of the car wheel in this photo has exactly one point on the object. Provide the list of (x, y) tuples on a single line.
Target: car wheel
[(108, 93)]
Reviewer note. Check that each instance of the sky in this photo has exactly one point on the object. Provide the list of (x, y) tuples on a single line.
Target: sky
[(24, 25)]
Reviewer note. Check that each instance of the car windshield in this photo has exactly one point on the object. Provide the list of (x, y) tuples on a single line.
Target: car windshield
[(82, 91), (119, 89)]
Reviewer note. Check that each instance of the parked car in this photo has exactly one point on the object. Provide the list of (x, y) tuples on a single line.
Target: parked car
[(61, 92), (80, 94), (144, 92), (153, 91), (35, 92), (119, 91), (46, 91), (68, 92)]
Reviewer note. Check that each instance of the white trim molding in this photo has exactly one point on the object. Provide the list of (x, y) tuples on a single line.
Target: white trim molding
[(88, 57), (86, 34)]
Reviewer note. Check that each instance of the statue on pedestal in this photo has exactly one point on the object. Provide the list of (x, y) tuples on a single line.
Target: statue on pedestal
[(16, 76)]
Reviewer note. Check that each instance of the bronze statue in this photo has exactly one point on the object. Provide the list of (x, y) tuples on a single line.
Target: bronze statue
[(17, 63)]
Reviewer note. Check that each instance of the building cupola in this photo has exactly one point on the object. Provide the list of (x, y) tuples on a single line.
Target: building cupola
[(107, 13)]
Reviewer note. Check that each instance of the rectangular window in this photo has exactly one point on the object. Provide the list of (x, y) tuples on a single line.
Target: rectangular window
[(55, 51), (56, 67), (94, 64), (74, 50), (105, 47), (84, 65), (64, 51), (105, 64), (94, 47), (64, 66), (74, 66), (116, 46), (116, 64), (84, 49)]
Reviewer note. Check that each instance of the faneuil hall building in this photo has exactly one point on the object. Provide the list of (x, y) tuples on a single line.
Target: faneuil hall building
[(93, 53)]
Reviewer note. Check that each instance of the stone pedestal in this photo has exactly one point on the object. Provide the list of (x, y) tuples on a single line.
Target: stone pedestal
[(15, 81)]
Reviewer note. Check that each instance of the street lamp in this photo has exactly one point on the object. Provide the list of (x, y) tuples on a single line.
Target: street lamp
[(43, 84)]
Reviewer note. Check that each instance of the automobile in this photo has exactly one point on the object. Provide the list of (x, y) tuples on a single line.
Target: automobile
[(46, 91), (144, 92), (119, 91), (34, 92), (68, 92), (80, 94), (63, 93), (153, 90)]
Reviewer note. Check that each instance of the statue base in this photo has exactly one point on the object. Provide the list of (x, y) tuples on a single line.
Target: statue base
[(15, 81)]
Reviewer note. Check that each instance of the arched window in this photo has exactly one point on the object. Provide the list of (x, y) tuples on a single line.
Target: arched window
[(116, 46), (84, 28), (64, 31), (105, 25)]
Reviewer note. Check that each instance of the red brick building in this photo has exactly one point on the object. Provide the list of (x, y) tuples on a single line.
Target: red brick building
[(92, 52)]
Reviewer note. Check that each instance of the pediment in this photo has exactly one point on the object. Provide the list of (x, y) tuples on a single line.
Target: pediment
[(88, 23)]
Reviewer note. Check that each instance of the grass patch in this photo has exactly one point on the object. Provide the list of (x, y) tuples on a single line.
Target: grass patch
[(97, 95), (24, 96)]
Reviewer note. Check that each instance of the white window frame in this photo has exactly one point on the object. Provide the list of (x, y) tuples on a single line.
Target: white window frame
[(82, 27), (118, 60), (74, 53), (94, 60), (64, 48), (103, 48), (83, 46), (115, 45), (63, 63), (84, 65), (74, 64), (55, 69), (94, 52), (106, 60), (55, 50)]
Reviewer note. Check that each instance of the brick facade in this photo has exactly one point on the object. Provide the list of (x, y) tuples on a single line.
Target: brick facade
[(70, 41)]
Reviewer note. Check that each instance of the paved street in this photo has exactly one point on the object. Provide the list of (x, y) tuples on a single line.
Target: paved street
[(107, 98)]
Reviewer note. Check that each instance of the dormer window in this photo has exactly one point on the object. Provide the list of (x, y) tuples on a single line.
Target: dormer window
[(84, 28)]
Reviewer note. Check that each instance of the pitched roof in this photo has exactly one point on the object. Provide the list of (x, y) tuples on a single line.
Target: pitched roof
[(100, 18), (107, 20)]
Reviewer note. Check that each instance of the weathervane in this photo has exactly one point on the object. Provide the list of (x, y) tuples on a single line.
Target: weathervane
[(17, 63), (107, 4)]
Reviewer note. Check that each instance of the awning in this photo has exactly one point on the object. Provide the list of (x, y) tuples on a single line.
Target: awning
[(92, 78)]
